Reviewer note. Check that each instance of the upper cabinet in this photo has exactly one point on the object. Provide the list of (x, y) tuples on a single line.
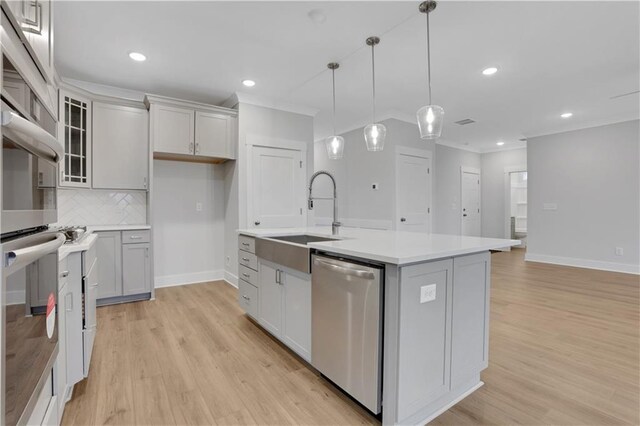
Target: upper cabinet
[(189, 131), (120, 147), (74, 132)]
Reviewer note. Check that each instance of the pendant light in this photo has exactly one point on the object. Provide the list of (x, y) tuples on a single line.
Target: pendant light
[(430, 117), (335, 143), (374, 133)]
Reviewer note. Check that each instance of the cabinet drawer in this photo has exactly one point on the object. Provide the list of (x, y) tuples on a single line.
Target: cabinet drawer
[(133, 237), (248, 259), (249, 275), (247, 243), (248, 298)]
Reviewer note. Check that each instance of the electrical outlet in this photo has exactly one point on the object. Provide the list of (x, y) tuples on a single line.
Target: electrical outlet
[(619, 251), (375, 186), (427, 293), (198, 206)]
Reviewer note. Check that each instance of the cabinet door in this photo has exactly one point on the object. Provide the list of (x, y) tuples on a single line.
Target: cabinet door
[(136, 269), (60, 376), (74, 132), (296, 308), (172, 129), (213, 135), (73, 321), (470, 322), (109, 250), (277, 192), (120, 147), (37, 26), (270, 298)]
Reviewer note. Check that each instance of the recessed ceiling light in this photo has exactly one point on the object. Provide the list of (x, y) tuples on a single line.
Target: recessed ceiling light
[(249, 83), (136, 56), (500, 143), (317, 16), (490, 71), (566, 115)]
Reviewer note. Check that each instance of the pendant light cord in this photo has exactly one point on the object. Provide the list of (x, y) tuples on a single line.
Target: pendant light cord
[(428, 59), (373, 73), (333, 76)]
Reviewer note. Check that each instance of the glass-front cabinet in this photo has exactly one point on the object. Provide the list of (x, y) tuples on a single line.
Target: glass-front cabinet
[(75, 136)]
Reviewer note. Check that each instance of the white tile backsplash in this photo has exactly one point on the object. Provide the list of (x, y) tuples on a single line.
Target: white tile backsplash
[(101, 207)]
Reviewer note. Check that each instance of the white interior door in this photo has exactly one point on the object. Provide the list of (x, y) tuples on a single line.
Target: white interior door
[(277, 192), (413, 189), (470, 200)]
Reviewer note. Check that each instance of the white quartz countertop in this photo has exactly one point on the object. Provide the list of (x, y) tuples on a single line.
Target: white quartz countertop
[(98, 228), (395, 247), (84, 244)]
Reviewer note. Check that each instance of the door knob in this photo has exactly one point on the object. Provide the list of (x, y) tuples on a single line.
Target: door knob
[(257, 222), (403, 219), (464, 215)]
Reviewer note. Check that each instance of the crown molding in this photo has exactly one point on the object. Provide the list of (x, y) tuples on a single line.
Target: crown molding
[(246, 98), (454, 145)]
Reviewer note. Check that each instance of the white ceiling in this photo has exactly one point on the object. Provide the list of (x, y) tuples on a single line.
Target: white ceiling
[(552, 57)]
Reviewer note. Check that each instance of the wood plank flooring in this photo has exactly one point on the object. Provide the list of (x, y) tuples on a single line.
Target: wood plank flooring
[(564, 349)]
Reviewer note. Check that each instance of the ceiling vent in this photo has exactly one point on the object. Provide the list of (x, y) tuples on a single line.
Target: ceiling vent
[(464, 122), (523, 139)]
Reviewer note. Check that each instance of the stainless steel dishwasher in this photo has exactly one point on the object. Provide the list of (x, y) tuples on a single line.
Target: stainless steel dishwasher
[(347, 326)]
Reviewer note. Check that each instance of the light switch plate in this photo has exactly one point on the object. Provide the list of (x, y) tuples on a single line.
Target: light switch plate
[(198, 206), (427, 293)]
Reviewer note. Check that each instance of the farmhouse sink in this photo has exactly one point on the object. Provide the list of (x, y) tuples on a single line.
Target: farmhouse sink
[(278, 249), (302, 239)]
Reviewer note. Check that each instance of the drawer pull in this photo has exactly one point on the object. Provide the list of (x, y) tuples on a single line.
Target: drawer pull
[(64, 274), (246, 259), (135, 237), (245, 297), (246, 275), (245, 244)]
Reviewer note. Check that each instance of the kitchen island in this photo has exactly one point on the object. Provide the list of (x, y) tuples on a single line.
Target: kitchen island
[(435, 306)]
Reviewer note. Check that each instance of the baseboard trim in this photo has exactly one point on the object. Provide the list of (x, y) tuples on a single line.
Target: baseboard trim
[(192, 278), (583, 263), (15, 297), (452, 403), (231, 279)]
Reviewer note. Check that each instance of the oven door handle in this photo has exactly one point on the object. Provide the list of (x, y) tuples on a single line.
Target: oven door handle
[(17, 259), (31, 137)]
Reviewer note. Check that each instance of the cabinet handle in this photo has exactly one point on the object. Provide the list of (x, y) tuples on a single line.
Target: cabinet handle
[(64, 274), (257, 222), (135, 237), (144, 183), (146, 252), (197, 148), (246, 275), (246, 259), (279, 276), (69, 302), (245, 297), (245, 244), (94, 285), (61, 175), (191, 148)]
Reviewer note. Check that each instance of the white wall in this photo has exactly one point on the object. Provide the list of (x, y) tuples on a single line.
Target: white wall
[(188, 244), (493, 189), (359, 204), (447, 187), (592, 175), (256, 121)]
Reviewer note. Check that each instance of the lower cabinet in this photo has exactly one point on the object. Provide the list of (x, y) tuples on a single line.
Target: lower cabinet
[(285, 305), (124, 270)]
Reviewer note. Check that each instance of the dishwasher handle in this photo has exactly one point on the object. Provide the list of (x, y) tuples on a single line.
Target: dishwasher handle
[(360, 273)]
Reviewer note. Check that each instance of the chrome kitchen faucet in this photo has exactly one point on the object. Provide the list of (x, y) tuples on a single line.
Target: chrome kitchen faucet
[(335, 224)]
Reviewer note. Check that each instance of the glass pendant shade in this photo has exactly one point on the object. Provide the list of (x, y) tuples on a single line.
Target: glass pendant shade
[(430, 120), (374, 135), (335, 147)]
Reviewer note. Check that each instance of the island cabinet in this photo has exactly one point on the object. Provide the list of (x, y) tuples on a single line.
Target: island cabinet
[(436, 335), (285, 305), (191, 131)]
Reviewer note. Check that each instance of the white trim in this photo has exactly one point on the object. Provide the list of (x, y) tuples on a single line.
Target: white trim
[(583, 263), (475, 171), (420, 153), (16, 297), (451, 404), (190, 278), (231, 279), (150, 99), (246, 98), (504, 148), (507, 196)]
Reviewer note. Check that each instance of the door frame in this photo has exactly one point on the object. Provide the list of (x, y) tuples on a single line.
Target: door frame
[(507, 197), (420, 153), (254, 141), (470, 170)]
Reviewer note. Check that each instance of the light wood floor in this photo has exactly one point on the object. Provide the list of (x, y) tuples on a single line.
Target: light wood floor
[(564, 349)]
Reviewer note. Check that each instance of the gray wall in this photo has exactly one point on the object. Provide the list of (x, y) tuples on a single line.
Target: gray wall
[(493, 189), (268, 123), (447, 187), (592, 175), (359, 204)]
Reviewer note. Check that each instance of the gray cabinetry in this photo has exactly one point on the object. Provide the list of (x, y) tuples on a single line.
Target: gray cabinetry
[(136, 269), (125, 266), (120, 147), (270, 312), (248, 276), (172, 129), (109, 246)]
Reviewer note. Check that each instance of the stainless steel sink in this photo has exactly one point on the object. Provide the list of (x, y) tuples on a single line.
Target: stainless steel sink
[(278, 250), (302, 239)]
